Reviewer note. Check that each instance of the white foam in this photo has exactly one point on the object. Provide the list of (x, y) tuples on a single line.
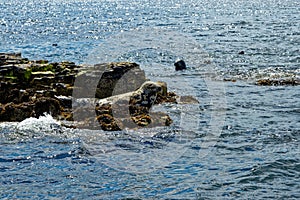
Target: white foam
[(38, 126)]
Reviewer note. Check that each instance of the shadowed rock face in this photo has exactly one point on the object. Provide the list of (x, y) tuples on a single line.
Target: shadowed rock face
[(36, 108), (119, 78), (30, 88)]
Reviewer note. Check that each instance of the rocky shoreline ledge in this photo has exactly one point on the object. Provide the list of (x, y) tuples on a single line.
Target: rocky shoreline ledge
[(31, 88)]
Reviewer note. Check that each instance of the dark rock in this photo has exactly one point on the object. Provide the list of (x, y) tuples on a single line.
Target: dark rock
[(108, 123), (242, 52), (63, 89), (41, 61), (16, 112), (278, 82), (68, 79), (66, 102), (180, 65), (133, 113), (31, 88), (14, 95), (42, 81), (46, 105), (20, 111), (119, 78), (24, 96), (169, 98)]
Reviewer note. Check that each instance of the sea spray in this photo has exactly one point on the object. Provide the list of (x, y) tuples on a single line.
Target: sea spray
[(33, 128)]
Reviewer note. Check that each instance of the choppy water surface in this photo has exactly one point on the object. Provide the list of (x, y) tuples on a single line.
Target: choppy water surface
[(256, 155)]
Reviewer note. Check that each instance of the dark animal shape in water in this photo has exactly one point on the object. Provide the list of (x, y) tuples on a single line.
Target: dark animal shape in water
[(179, 65)]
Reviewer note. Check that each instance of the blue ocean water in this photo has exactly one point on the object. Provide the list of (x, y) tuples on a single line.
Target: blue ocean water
[(240, 142)]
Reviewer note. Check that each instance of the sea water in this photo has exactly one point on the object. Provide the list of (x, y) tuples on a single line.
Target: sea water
[(241, 141)]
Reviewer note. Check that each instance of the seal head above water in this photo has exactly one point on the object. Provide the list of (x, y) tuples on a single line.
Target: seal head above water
[(179, 65), (144, 96)]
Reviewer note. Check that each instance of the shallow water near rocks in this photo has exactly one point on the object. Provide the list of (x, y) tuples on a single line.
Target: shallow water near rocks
[(252, 153)]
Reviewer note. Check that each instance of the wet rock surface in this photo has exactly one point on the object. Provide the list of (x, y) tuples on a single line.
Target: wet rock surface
[(31, 88), (278, 82)]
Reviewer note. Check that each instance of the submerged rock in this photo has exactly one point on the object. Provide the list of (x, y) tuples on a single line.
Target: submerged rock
[(278, 82)]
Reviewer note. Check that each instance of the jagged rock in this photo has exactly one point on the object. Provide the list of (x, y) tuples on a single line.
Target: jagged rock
[(16, 112), (20, 111), (47, 105), (41, 61), (31, 88), (63, 89), (115, 81), (65, 101)]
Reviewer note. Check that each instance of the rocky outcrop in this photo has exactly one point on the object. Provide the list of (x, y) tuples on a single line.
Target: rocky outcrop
[(278, 82), (30, 88)]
